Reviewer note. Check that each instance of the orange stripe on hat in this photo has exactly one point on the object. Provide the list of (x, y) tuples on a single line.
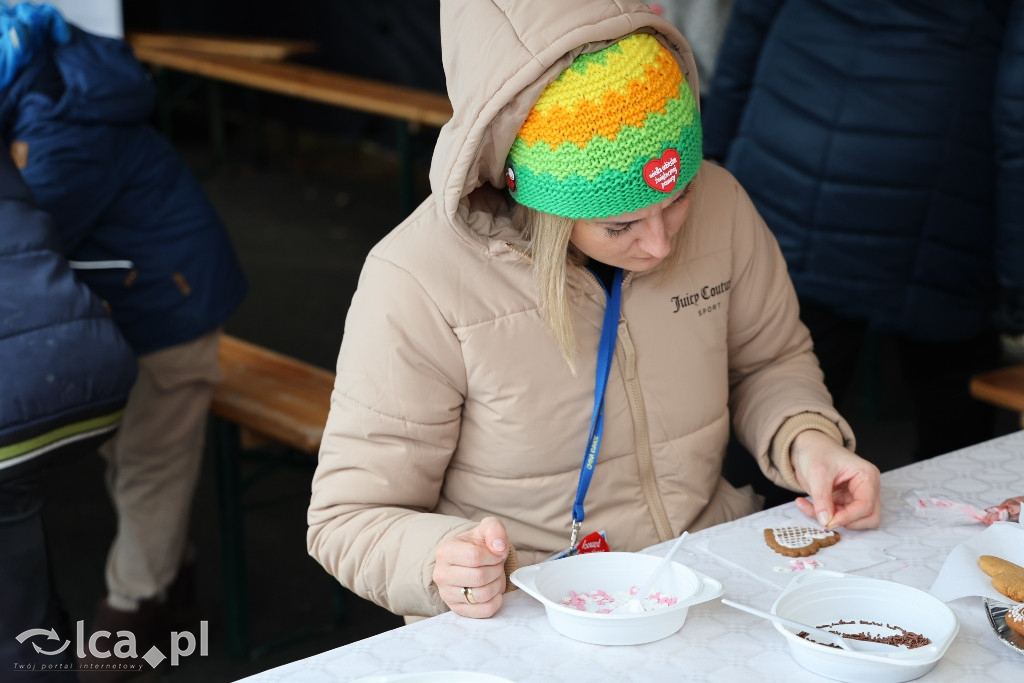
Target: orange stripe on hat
[(583, 119)]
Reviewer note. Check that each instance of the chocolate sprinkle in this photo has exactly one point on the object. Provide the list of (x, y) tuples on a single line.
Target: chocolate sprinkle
[(902, 637)]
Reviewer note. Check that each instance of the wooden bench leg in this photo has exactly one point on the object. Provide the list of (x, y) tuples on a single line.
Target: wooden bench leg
[(236, 605), (164, 103), (215, 96), (340, 612), (254, 117), (403, 141), (871, 375), (169, 94)]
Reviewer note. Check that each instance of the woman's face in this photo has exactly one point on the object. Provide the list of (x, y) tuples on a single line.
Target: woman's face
[(638, 240)]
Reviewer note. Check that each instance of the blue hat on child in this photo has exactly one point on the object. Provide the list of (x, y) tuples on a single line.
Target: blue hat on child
[(25, 28)]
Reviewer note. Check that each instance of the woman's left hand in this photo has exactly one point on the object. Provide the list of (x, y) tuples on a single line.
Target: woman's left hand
[(843, 486), (1007, 511)]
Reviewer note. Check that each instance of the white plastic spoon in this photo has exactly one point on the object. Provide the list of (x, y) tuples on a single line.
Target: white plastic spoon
[(636, 604), (850, 644)]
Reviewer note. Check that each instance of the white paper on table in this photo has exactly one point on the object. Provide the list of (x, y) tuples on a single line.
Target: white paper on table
[(744, 547), (961, 576)]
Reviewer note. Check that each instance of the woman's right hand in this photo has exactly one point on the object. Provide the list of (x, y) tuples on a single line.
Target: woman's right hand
[(474, 560)]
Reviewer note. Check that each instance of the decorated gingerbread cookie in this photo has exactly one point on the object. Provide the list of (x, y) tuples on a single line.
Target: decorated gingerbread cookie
[(799, 541), (1015, 619), (1007, 577)]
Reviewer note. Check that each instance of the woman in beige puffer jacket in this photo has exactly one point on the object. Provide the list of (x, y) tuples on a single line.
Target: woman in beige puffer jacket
[(465, 390)]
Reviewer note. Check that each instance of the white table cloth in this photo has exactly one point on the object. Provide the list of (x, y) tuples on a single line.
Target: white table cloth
[(717, 643)]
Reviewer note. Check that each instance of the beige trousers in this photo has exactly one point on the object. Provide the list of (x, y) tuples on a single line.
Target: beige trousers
[(153, 465)]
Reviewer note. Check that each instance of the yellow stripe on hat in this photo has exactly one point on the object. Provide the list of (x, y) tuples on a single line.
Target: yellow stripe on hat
[(590, 75), (604, 111)]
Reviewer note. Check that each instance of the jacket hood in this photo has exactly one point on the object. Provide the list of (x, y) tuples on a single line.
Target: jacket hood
[(498, 57)]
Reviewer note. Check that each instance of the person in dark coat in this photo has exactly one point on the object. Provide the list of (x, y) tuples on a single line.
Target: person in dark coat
[(135, 223), (65, 374), (883, 142)]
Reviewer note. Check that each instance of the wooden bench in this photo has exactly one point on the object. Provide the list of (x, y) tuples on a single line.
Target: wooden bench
[(409, 107), (265, 397), (1003, 388), (252, 48)]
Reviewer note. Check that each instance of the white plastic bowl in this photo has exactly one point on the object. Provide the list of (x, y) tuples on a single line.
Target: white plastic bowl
[(549, 582), (823, 597)]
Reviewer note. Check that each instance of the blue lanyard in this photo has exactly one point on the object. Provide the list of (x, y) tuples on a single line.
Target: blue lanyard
[(605, 353)]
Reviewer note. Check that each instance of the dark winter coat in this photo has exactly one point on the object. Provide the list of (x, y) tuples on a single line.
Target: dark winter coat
[(76, 120), (883, 142), (65, 369)]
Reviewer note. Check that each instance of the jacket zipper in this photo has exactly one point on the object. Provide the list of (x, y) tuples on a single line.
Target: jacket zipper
[(641, 435)]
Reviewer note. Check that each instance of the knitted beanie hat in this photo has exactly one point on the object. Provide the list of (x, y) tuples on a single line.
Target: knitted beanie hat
[(617, 131)]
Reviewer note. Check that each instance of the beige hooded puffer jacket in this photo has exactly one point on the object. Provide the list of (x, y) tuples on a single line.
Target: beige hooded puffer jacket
[(453, 401)]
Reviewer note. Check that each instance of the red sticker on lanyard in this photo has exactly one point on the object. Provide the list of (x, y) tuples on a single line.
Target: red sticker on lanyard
[(593, 542)]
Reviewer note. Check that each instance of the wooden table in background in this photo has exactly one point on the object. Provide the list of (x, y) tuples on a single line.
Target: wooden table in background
[(260, 64), (250, 48), (1003, 388)]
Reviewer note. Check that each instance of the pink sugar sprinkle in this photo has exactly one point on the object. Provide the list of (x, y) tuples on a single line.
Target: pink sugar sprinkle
[(578, 602), (602, 602)]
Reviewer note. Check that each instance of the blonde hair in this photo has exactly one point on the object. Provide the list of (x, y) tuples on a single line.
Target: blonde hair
[(546, 239), (547, 244)]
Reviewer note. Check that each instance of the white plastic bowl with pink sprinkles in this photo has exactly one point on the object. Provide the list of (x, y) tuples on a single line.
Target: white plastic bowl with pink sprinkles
[(602, 602)]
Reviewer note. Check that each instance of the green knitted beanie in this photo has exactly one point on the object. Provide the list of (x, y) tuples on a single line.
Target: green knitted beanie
[(617, 131)]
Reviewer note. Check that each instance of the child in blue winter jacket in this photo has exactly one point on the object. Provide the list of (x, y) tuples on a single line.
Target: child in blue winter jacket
[(135, 223)]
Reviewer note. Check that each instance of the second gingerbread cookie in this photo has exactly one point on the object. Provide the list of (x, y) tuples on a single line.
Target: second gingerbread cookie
[(1015, 618), (1007, 577), (799, 541)]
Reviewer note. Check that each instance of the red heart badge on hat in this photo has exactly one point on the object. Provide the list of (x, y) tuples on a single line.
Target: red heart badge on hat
[(662, 174), (510, 178)]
